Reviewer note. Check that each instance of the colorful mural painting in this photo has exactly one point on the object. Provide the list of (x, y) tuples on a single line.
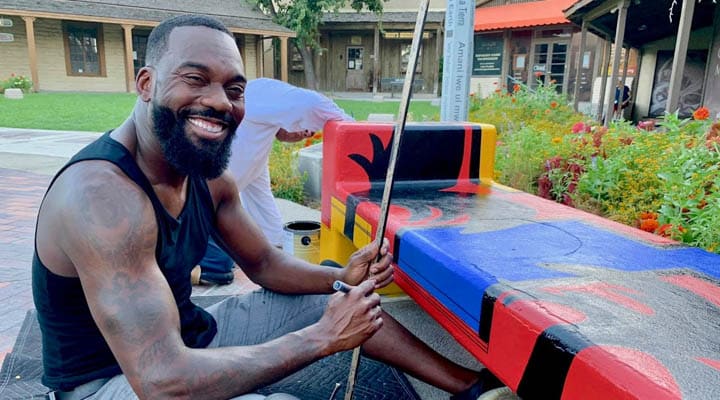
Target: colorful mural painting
[(559, 303)]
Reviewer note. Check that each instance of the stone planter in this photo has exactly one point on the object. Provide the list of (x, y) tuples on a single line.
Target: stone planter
[(310, 161), (13, 93)]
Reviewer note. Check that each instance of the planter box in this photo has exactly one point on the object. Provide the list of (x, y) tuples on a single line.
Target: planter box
[(13, 93)]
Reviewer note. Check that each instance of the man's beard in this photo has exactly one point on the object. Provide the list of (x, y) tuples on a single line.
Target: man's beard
[(209, 159)]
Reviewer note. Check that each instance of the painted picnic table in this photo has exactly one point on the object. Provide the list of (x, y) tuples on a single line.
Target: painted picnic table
[(558, 303)]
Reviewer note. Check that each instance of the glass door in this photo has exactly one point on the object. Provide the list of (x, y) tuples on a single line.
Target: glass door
[(549, 64)]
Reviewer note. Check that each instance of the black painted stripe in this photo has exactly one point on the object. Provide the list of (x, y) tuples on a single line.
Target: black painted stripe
[(547, 369), (486, 314), (350, 207)]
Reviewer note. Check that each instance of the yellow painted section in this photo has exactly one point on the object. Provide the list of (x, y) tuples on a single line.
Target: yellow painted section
[(488, 142), (334, 245), (362, 232)]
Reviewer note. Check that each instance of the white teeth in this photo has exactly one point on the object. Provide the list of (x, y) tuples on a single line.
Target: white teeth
[(208, 126)]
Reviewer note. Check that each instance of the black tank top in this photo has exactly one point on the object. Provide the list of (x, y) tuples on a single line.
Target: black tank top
[(73, 349)]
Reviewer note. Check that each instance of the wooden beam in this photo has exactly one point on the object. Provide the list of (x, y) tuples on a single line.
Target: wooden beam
[(259, 56), (578, 69), (681, 45), (619, 39), (32, 51), (129, 65), (284, 59)]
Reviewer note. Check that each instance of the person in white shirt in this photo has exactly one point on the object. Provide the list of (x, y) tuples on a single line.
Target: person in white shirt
[(273, 110)]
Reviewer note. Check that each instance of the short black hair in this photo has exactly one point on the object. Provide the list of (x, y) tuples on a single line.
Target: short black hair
[(158, 39)]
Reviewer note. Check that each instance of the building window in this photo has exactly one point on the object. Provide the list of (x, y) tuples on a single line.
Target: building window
[(84, 51), (139, 45), (405, 50), (355, 58)]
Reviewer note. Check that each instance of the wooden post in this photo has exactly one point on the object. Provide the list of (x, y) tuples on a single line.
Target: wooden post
[(681, 45), (505, 62), (284, 58), (439, 58), (578, 70), (32, 51), (129, 64), (619, 39), (376, 60), (259, 56), (603, 76)]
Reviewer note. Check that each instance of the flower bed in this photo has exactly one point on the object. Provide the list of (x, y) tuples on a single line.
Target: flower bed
[(661, 176)]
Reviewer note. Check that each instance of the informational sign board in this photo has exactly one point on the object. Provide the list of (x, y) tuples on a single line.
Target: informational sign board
[(457, 59), (488, 54), (6, 37), (6, 23)]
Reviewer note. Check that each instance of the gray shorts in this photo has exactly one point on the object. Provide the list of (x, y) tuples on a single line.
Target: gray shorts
[(249, 319)]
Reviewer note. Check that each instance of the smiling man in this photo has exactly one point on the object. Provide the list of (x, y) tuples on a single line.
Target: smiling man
[(129, 216)]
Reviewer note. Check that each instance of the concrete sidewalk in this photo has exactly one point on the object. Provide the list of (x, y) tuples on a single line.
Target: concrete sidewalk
[(29, 159)]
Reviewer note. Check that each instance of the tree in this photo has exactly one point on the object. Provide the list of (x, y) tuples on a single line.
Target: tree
[(304, 17)]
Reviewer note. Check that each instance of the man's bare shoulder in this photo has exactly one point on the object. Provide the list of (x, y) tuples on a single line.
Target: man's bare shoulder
[(92, 207), (223, 187), (93, 181)]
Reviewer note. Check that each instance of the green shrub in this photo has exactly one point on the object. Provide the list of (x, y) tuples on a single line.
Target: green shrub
[(663, 179), (285, 181), (17, 81)]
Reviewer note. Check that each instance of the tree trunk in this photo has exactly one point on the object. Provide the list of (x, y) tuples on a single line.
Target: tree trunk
[(309, 66)]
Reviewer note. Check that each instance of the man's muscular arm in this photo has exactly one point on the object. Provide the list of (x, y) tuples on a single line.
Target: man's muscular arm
[(108, 231)]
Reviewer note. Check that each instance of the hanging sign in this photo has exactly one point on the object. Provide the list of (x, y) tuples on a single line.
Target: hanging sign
[(7, 37)]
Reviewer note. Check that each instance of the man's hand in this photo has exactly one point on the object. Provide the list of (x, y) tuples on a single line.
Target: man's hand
[(362, 263), (351, 318), (296, 136)]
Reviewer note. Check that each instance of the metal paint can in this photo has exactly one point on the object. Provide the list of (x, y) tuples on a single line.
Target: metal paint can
[(302, 239)]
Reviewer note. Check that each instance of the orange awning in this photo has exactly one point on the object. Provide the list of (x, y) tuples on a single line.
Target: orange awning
[(544, 12)]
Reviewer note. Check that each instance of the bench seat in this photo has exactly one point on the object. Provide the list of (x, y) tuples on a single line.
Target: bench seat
[(557, 302)]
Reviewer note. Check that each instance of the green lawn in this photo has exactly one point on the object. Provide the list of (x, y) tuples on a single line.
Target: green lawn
[(102, 111)]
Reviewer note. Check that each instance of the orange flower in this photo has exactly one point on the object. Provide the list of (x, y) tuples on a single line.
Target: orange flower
[(513, 100), (554, 104), (667, 230), (516, 87), (556, 139), (701, 114), (547, 111), (648, 215), (308, 142), (649, 225)]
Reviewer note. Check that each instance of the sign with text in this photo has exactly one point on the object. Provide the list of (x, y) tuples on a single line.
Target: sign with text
[(488, 54), (7, 37), (457, 59)]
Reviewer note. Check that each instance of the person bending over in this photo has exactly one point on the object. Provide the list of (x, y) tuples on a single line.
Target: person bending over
[(274, 110), (125, 221)]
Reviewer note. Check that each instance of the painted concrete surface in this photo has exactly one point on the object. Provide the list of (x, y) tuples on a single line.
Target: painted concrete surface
[(559, 303)]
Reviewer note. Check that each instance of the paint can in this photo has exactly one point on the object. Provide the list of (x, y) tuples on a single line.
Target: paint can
[(302, 239)]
